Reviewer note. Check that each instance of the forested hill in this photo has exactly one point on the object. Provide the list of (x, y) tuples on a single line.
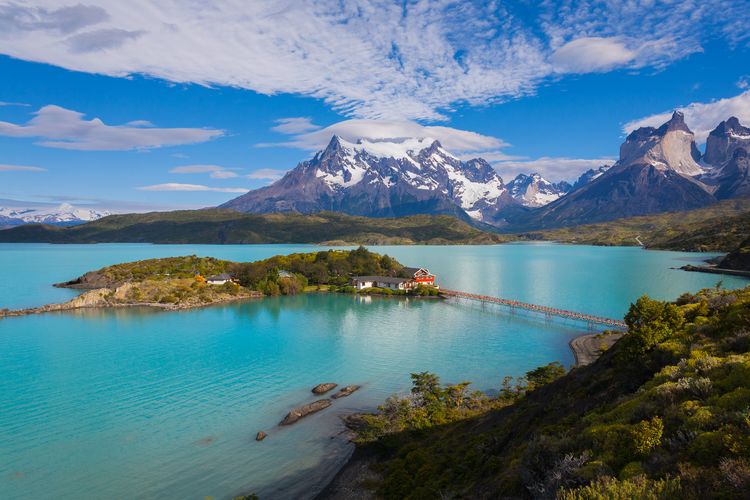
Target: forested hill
[(221, 226)]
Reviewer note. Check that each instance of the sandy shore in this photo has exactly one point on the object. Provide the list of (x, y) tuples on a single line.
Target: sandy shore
[(587, 348)]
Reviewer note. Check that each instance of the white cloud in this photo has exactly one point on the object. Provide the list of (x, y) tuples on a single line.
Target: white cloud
[(67, 129), (454, 140), (295, 125), (223, 174), (590, 54), (173, 186), (214, 171), (365, 58), (196, 169), (6, 103), (552, 169), (701, 117), (271, 174), (21, 168)]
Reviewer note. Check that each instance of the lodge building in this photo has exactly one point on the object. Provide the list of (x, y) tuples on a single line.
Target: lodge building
[(415, 276)]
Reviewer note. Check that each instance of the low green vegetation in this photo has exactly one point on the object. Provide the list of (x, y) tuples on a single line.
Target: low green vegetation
[(219, 226), (664, 413), (717, 228), (327, 270), (157, 269)]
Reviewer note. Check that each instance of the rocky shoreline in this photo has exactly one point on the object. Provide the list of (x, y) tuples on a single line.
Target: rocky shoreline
[(716, 270), (105, 298)]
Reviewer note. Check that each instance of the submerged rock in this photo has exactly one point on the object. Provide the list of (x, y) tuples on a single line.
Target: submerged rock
[(323, 388), (260, 436), (305, 410), (346, 391)]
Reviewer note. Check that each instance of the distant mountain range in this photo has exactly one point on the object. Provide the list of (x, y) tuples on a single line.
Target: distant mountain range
[(62, 215), (659, 169)]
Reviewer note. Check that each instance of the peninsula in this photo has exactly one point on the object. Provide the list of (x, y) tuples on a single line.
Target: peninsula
[(189, 282)]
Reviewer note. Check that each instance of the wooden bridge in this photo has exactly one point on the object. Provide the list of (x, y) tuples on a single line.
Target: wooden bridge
[(550, 311)]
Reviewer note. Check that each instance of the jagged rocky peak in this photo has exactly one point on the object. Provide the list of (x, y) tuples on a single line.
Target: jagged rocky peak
[(669, 147), (589, 175), (535, 191), (724, 140), (384, 177)]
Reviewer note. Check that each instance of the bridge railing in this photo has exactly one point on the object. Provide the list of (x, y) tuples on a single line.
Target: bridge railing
[(590, 318)]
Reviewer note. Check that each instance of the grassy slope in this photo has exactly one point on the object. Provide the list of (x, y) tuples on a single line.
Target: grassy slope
[(226, 226), (665, 412), (720, 227)]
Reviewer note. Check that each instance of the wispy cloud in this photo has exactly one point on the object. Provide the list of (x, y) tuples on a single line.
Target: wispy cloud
[(462, 142), (20, 168), (173, 186), (66, 129), (271, 174), (591, 54), (295, 125), (368, 58), (701, 117), (6, 103), (553, 169), (214, 171)]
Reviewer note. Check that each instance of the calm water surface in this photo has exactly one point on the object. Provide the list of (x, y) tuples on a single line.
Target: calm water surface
[(145, 404)]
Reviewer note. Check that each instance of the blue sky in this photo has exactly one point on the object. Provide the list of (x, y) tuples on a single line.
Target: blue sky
[(161, 105)]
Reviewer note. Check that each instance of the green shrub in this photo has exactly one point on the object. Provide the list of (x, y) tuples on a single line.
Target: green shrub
[(650, 322), (637, 488)]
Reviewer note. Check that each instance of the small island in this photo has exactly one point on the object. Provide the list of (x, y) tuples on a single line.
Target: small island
[(177, 283)]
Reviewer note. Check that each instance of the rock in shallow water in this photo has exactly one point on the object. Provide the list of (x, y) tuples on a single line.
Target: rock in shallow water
[(346, 391), (305, 410), (260, 436), (323, 388)]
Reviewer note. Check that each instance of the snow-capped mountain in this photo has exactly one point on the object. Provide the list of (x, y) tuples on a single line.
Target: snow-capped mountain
[(535, 191), (63, 215), (393, 177)]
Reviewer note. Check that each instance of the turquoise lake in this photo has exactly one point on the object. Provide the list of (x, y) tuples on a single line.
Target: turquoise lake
[(149, 404)]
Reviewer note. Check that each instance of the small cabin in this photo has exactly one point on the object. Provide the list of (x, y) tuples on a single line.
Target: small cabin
[(220, 279), (361, 282)]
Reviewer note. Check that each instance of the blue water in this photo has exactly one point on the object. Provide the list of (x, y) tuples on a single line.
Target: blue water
[(146, 404)]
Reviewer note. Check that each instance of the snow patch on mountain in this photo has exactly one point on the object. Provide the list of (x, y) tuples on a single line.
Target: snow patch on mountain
[(64, 214), (536, 191)]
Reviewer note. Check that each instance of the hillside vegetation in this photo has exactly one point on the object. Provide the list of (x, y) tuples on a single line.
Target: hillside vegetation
[(221, 226), (717, 228), (664, 413)]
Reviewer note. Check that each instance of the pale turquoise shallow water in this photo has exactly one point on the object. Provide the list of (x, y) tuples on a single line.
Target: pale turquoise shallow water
[(144, 404)]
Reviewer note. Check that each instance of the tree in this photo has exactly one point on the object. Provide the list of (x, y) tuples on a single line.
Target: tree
[(651, 322), (543, 375)]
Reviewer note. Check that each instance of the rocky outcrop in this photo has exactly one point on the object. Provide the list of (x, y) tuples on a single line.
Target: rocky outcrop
[(734, 178), (260, 436), (323, 388), (738, 259), (724, 140), (303, 411), (346, 391)]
